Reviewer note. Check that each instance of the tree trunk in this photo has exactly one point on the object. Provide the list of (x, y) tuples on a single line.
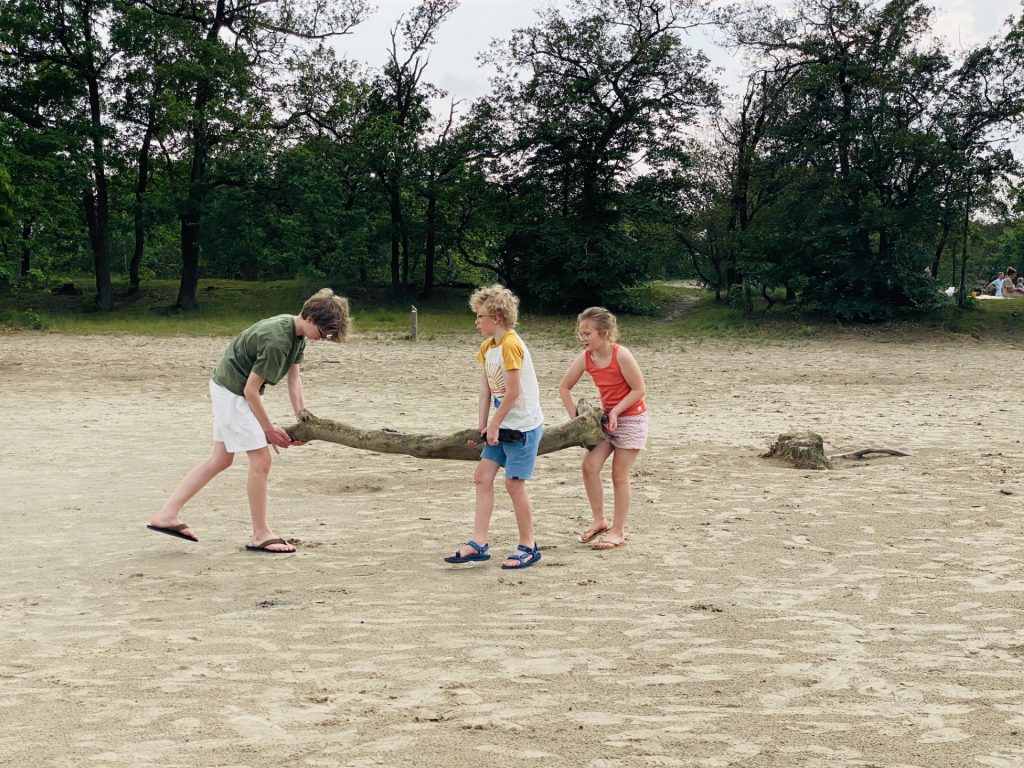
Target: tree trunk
[(26, 248), (89, 207), (939, 248), (405, 259), (192, 215), (189, 285), (431, 244), (140, 191), (585, 431), (104, 288), (395, 206), (961, 299)]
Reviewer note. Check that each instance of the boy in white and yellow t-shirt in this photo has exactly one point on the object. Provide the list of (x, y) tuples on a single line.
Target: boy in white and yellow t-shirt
[(511, 433)]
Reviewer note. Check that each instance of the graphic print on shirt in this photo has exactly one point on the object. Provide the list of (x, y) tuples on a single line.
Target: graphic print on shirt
[(496, 381), (510, 354)]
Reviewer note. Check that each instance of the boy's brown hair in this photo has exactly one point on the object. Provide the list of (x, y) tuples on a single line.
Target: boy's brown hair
[(499, 301), (330, 314)]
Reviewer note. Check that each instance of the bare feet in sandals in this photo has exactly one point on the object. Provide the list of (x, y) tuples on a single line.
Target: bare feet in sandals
[(271, 544), (173, 527), (595, 530), (608, 541)]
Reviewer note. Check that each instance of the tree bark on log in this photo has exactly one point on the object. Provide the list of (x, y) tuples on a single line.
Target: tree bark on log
[(804, 450), (584, 431)]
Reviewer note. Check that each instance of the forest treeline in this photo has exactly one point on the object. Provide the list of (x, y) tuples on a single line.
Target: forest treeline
[(232, 138)]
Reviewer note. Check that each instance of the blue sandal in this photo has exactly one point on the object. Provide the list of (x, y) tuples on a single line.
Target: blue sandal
[(526, 556), (481, 554)]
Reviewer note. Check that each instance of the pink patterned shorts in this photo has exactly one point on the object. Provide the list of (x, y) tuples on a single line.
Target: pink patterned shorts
[(630, 432)]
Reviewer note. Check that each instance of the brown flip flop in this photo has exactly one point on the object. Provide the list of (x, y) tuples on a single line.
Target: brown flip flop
[(173, 530), (262, 547), (592, 536)]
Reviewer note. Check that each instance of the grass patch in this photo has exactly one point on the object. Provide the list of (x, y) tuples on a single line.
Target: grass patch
[(671, 310), (996, 319), (701, 317), (224, 307), (227, 306)]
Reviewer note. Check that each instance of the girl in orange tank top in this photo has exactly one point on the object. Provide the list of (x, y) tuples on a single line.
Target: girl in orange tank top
[(621, 387), (612, 385)]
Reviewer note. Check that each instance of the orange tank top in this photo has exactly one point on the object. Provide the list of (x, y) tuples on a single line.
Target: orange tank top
[(612, 385)]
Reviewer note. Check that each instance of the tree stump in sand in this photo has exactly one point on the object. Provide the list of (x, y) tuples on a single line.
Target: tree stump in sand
[(585, 431), (804, 450)]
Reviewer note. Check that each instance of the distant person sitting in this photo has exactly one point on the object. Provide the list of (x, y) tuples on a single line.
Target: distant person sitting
[(1019, 287), (997, 285)]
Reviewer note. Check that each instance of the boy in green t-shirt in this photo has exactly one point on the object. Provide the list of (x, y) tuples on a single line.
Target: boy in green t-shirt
[(262, 354)]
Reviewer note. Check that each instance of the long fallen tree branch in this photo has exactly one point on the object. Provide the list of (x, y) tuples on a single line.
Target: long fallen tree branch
[(585, 430), (866, 452)]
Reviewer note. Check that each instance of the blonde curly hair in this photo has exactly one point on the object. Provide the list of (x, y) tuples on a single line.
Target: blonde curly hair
[(499, 301)]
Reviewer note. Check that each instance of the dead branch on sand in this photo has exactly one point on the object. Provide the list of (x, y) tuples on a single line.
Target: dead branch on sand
[(806, 450), (585, 431)]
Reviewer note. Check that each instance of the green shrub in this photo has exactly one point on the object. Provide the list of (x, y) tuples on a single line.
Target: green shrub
[(21, 319), (735, 296)]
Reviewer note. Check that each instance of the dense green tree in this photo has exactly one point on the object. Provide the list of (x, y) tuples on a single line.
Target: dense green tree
[(222, 137), (733, 181), (6, 198), (342, 220), (397, 119), (148, 92), (7, 219), (873, 116), (49, 232), (585, 102), (983, 101), (235, 49), (56, 60)]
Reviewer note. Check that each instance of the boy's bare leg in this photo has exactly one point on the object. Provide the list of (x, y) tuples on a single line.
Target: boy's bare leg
[(483, 480), (593, 462), (256, 487), (523, 509), (622, 464), (191, 484)]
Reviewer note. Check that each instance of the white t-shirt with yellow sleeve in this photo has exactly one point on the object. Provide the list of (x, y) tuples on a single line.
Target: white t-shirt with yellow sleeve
[(511, 354)]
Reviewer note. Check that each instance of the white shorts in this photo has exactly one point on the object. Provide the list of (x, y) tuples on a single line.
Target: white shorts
[(234, 423)]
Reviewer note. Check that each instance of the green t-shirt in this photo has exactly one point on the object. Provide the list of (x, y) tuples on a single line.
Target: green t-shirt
[(269, 349)]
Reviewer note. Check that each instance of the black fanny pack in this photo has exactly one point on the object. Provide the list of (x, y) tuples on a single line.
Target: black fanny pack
[(507, 436)]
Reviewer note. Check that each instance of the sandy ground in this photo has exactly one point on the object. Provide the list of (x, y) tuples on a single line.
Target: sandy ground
[(759, 616)]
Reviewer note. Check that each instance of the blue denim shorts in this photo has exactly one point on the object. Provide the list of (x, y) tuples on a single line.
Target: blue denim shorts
[(519, 457)]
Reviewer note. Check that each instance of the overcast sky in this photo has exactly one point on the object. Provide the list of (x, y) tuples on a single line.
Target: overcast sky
[(472, 27)]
